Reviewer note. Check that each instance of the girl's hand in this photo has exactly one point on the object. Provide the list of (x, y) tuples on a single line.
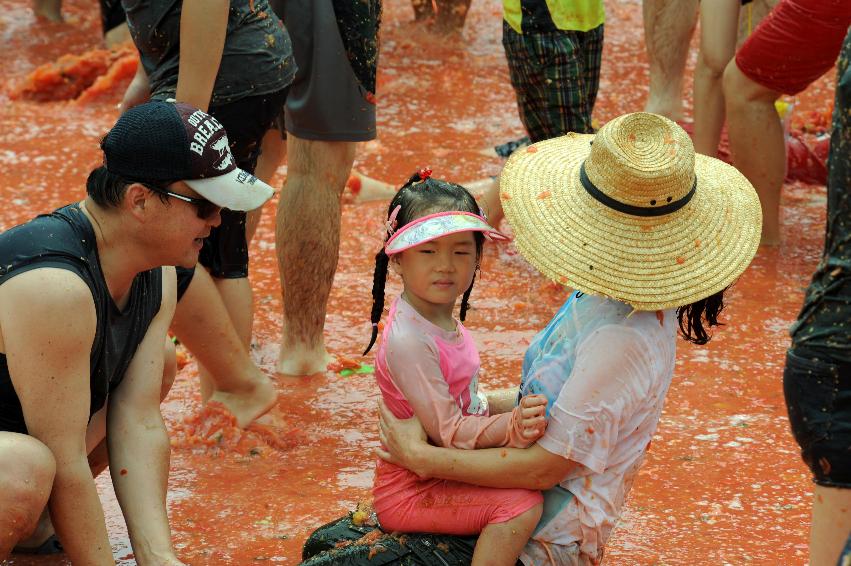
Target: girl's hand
[(400, 439), (533, 422)]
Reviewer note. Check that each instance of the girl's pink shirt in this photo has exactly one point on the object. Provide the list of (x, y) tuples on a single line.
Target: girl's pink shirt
[(425, 370)]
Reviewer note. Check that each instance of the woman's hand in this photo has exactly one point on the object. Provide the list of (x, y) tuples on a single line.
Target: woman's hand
[(533, 422), (400, 440)]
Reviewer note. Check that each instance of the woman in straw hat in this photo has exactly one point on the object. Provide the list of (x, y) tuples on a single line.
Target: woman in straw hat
[(650, 236)]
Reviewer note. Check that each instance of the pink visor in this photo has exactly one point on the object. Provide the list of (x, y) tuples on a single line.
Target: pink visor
[(437, 225)]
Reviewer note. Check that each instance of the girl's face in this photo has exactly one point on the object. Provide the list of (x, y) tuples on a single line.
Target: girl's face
[(436, 273)]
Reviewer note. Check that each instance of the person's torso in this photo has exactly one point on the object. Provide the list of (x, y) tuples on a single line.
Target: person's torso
[(525, 16), (823, 324), (458, 358), (65, 239), (584, 507), (257, 57)]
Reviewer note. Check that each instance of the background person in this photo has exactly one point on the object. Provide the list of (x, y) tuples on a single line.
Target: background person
[(241, 75), (330, 107), (817, 378), (793, 46)]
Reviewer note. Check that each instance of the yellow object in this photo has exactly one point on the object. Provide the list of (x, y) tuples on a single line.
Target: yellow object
[(359, 518), (572, 15), (782, 107)]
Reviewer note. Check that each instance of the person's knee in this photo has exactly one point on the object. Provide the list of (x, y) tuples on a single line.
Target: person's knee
[(169, 367), (328, 162), (740, 90), (714, 61), (26, 480)]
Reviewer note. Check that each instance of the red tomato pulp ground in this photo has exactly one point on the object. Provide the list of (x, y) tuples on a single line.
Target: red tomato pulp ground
[(722, 484)]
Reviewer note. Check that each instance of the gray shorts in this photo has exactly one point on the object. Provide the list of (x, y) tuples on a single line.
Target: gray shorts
[(326, 101)]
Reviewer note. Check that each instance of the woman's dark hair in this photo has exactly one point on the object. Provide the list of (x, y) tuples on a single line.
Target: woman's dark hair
[(107, 189), (691, 317), (420, 196)]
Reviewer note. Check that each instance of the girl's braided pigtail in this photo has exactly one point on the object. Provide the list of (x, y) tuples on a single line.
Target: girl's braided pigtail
[(379, 278), (465, 300)]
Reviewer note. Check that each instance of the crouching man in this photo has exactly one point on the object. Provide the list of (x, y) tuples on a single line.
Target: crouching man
[(85, 307)]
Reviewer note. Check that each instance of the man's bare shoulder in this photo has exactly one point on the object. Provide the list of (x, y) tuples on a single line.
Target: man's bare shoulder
[(52, 285)]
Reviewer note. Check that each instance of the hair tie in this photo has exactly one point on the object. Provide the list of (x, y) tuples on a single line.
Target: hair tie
[(390, 224), (424, 173), (375, 325)]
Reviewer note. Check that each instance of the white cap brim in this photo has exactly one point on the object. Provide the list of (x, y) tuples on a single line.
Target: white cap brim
[(236, 190)]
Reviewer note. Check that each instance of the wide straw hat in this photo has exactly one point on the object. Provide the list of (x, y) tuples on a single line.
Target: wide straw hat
[(632, 213)]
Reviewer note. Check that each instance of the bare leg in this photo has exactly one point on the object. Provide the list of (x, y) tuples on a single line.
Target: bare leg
[(201, 322), (48, 9), (307, 239), (27, 469), (831, 524), (272, 153), (668, 25), (501, 543), (756, 143), (718, 25), (117, 35), (451, 15)]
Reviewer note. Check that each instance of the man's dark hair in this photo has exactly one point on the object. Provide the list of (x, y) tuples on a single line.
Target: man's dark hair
[(107, 189)]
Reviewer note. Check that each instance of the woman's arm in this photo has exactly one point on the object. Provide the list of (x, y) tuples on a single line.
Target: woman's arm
[(406, 446)]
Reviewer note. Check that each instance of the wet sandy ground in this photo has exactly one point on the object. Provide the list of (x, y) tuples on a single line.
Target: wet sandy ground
[(722, 484)]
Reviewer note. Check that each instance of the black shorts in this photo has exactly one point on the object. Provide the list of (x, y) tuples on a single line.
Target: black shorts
[(111, 14), (335, 43), (818, 397), (413, 549), (225, 251)]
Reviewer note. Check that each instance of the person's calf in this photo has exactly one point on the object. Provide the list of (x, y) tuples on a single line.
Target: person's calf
[(831, 524), (501, 543), (307, 241)]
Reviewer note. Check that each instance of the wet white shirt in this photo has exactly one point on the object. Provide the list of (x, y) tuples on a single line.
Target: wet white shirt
[(605, 373)]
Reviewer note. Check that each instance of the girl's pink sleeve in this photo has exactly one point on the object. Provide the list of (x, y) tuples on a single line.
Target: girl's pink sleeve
[(414, 363)]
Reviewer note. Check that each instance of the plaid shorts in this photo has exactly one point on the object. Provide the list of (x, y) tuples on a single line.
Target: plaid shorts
[(555, 76)]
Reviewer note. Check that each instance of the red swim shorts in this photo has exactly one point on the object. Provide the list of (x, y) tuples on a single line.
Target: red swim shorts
[(795, 44)]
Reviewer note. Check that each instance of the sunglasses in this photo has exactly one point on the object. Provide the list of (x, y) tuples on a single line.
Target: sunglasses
[(203, 208)]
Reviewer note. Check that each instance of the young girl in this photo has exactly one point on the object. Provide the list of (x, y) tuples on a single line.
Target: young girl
[(427, 365)]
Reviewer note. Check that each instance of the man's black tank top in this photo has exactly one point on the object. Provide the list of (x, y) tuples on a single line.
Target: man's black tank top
[(65, 239)]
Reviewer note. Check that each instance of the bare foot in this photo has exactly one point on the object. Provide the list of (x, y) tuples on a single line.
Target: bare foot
[(301, 360), (50, 10), (248, 406), (486, 192)]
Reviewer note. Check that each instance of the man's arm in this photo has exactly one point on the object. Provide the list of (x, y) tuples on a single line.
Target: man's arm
[(203, 28), (138, 441), (48, 322), (530, 468)]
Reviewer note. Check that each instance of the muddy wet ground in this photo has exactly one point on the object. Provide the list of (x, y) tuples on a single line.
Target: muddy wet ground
[(723, 483)]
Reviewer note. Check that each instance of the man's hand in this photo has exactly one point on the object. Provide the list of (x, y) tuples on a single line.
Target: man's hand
[(533, 422), (400, 439)]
